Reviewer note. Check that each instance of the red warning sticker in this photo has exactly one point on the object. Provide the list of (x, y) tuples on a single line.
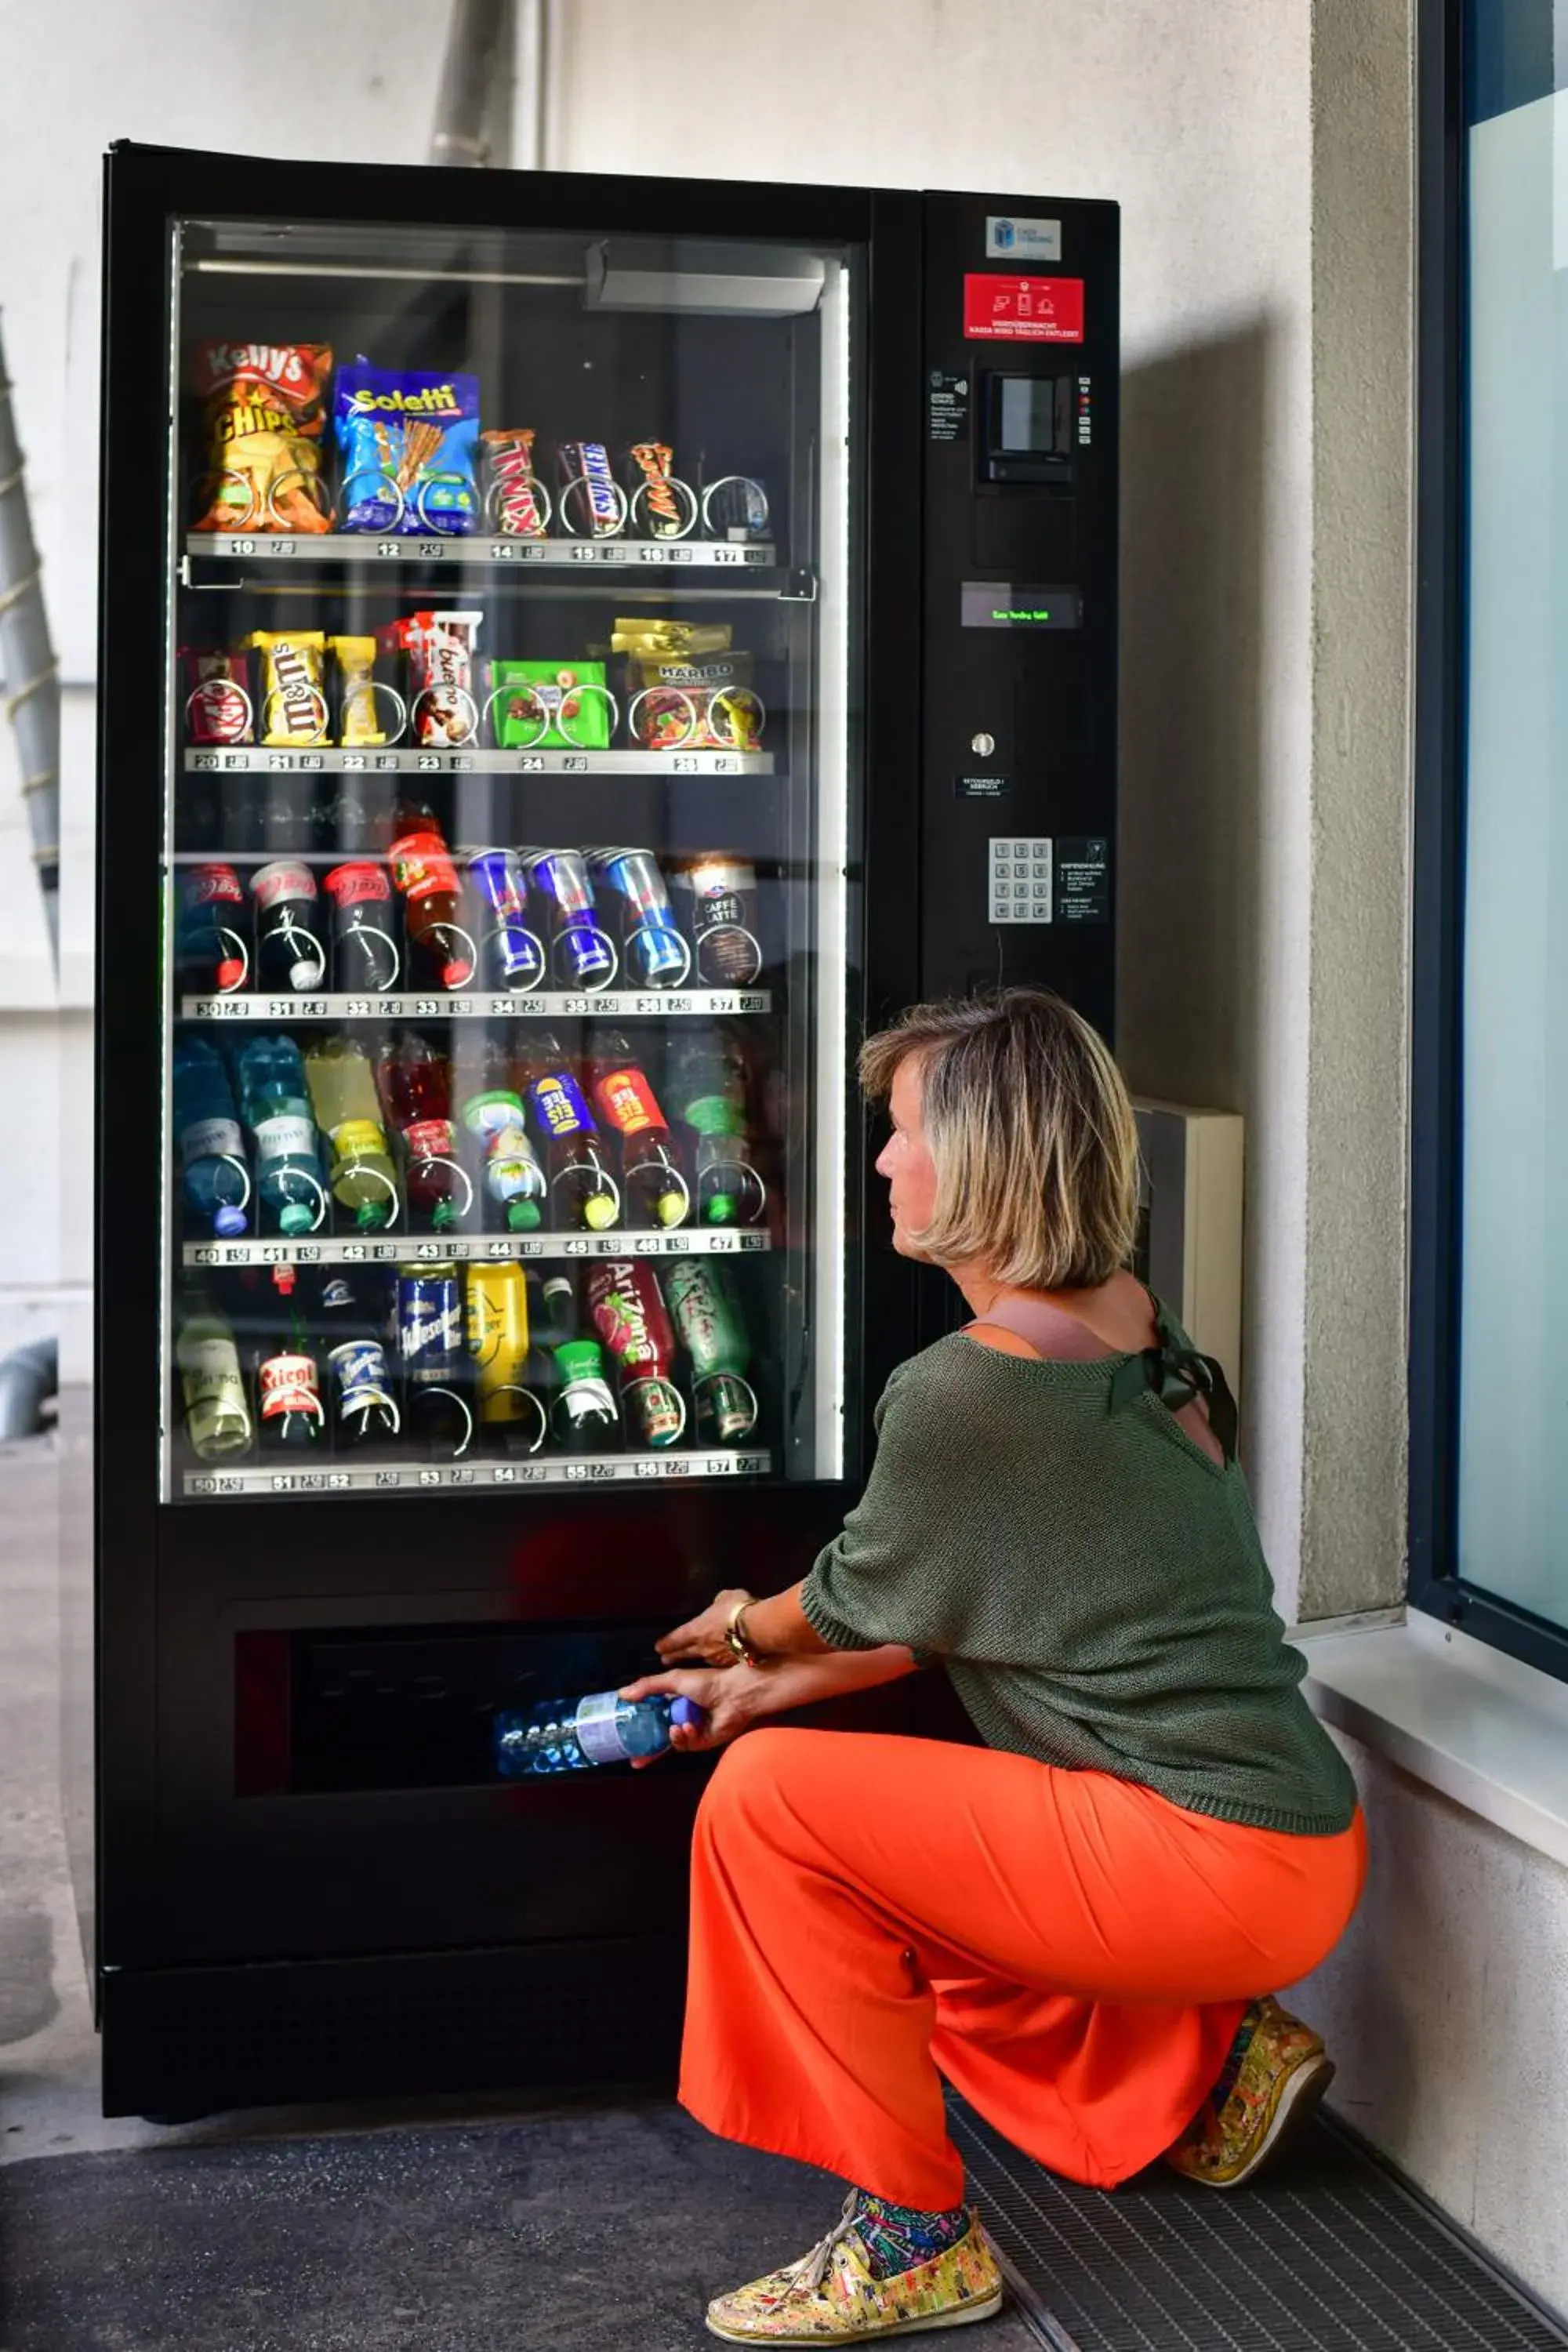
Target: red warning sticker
[(999, 310)]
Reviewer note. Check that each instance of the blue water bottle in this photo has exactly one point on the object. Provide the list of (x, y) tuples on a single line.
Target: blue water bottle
[(216, 1178), (565, 1735), (275, 1104)]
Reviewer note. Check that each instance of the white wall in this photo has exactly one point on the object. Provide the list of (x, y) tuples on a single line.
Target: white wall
[(166, 72), (1202, 121)]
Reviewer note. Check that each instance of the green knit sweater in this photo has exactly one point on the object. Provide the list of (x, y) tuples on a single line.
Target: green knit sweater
[(1092, 1581)]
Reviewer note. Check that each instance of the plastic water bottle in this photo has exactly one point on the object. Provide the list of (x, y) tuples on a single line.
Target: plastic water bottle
[(216, 1178), (566, 1735), (275, 1105)]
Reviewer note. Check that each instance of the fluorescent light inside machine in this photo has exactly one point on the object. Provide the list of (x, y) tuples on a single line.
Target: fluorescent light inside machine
[(766, 281), (833, 879)]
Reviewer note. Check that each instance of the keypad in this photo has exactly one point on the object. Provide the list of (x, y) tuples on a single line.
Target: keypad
[(1020, 880)]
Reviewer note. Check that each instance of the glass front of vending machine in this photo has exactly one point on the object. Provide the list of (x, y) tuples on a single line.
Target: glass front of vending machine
[(479, 1217), (507, 841)]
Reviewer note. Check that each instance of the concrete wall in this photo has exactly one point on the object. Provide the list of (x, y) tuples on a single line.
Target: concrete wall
[(1446, 2010), (1260, 151)]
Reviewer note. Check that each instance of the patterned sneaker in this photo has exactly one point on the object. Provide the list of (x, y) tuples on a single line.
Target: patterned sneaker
[(1277, 2072), (830, 2296)]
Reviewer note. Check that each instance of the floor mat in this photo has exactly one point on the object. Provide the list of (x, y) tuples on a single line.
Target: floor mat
[(1324, 2254), (608, 2230)]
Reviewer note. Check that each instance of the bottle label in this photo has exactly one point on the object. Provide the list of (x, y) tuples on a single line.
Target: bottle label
[(338, 1292), (211, 1138), (289, 1384), (285, 1136), (598, 1734), (359, 1369), (214, 1390), (283, 880), (704, 1320), (358, 1138), (429, 1320), (627, 1102), (352, 885), (431, 1139), (714, 1115), (559, 1105), (205, 885), (421, 868)]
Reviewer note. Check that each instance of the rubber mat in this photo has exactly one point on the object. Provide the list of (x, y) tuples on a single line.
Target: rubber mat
[(1325, 2253)]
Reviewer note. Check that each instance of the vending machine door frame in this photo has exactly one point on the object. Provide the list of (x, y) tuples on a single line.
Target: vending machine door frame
[(152, 1772)]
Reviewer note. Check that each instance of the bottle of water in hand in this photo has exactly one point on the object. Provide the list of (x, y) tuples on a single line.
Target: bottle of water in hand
[(565, 1735)]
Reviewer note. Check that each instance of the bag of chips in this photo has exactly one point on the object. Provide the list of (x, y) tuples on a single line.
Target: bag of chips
[(264, 410), (406, 443)]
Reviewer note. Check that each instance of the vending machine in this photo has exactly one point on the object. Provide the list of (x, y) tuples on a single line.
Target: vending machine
[(575, 652)]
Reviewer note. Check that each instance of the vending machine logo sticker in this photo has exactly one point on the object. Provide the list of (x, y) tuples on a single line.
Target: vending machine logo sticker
[(1000, 309), (1008, 236)]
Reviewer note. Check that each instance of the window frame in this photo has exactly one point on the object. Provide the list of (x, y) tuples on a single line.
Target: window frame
[(1438, 908)]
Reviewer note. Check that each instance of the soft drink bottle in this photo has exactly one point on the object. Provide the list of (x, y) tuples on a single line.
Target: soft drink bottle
[(582, 1191), (631, 1317), (288, 1379), (291, 951), (365, 956), (212, 944), (430, 1343), (565, 1735), (655, 1191), (581, 951), (216, 1180), (654, 952), (353, 1330), (417, 1094), (218, 1412), (708, 1075), (344, 1097), (485, 1087), (496, 1323), (275, 1104), (423, 870), (708, 1320), (582, 1413), (512, 955)]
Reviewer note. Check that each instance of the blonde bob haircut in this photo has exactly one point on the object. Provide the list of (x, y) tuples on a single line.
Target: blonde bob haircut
[(1029, 1125)]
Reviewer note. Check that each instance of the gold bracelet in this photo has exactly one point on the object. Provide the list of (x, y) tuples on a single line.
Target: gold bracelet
[(735, 1633)]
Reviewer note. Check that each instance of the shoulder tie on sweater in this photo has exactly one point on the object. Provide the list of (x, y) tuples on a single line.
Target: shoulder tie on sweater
[(1175, 1373)]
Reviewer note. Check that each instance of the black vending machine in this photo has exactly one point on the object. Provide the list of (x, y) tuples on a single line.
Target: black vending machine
[(574, 652)]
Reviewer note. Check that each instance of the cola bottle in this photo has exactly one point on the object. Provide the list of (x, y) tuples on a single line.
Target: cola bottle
[(289, 949), (365, 957)]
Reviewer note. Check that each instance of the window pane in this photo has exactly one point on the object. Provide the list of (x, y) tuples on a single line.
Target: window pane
[(1514, 1419)]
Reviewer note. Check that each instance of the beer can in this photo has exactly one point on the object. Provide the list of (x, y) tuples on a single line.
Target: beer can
[(497, 1332), (429, 1322), (718, 891)]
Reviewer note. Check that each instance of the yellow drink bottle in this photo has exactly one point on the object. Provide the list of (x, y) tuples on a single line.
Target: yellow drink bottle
[(348, 1112)]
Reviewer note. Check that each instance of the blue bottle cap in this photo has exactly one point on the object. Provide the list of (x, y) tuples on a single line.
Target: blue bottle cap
[(229, 1222), (685, 1712)]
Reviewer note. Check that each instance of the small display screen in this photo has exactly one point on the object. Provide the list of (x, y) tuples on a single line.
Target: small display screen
[(1006, 604), (1027, 416)]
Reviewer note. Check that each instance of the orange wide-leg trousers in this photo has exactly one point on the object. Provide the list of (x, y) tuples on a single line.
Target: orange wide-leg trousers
[(1071, 1951)]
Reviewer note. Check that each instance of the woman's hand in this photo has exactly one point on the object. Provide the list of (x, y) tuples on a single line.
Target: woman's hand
[(707, 1636), (725, 1700)]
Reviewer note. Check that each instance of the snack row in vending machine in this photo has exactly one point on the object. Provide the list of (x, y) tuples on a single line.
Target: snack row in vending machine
[(411, 460), (420, 680)]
